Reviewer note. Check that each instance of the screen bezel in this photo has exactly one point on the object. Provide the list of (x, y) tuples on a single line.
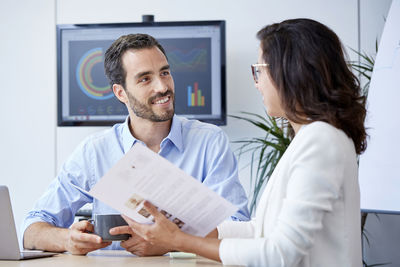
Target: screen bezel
[(61, 27)]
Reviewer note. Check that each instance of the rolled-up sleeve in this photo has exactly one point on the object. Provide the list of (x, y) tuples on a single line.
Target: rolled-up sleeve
[(58, 205)]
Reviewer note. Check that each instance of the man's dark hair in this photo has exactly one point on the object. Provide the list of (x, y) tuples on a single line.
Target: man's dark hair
[(308, 67), (113, 58)]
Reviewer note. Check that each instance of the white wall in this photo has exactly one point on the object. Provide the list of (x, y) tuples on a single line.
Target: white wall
[(28, 102), (373, 14), (32, 147)]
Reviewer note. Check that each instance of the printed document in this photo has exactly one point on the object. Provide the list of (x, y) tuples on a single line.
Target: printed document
[(144, 175)]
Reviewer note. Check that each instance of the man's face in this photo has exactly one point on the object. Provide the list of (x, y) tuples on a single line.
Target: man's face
[(149, 85)]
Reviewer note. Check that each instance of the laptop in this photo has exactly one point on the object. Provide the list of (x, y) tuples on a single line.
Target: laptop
[(9, 247)]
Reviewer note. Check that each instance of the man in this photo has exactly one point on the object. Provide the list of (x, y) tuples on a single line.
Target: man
[(140, 76)]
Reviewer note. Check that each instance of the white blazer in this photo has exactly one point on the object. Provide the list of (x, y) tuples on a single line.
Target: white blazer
[(309, 212)]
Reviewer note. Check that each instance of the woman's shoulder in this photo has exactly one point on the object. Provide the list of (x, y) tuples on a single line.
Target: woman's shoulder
[(322, 131), (318, 125), (324, 138)]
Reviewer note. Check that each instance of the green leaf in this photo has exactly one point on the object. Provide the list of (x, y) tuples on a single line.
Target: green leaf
[(265, 151)]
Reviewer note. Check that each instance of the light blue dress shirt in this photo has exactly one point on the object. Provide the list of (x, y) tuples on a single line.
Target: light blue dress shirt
[(200, 149)]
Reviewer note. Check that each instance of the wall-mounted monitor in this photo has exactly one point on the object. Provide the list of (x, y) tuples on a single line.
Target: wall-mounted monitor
[(195, 52)]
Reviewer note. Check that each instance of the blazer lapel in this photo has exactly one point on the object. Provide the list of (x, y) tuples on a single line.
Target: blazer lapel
[(263, 204)]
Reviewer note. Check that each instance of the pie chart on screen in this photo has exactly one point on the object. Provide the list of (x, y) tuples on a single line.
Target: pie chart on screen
[(90, 75)]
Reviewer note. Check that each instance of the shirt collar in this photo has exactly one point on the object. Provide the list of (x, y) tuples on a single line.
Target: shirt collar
[(175, 135), (127, 138)]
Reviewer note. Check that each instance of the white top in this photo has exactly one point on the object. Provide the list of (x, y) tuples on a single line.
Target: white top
[(309, 213)]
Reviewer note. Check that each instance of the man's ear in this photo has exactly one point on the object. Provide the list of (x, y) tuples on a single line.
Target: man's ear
[(120, 93)]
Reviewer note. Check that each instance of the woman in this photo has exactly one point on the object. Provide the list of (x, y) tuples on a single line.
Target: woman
[(309, 213)]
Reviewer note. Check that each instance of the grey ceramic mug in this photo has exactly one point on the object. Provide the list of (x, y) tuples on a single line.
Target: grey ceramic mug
[(104, 222)]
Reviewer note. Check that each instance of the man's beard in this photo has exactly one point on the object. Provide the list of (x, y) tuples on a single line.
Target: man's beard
[(144, 110)]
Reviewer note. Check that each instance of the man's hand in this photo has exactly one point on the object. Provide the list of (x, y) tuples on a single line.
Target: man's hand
[(80, 240), (137, 245)]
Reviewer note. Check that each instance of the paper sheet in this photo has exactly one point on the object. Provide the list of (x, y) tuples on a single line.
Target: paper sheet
[(144, 175)]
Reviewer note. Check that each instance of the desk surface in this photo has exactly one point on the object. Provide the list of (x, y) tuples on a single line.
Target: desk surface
[(111, 259)]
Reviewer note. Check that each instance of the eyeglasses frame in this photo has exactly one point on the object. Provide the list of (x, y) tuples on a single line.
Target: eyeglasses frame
[(254, 70)]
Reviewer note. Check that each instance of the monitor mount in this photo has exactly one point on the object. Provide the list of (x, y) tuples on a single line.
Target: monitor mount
[(147, 18)]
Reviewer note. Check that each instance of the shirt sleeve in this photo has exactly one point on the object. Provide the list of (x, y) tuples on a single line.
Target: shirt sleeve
[(234, 229), (58, 205), (315, 179), (222, 175)]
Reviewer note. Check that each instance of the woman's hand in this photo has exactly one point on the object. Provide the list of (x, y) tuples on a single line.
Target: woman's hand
[(167, 234), (163, 232), (136, 244)]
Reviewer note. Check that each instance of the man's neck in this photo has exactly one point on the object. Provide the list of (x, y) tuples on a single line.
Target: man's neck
[(149, 132)]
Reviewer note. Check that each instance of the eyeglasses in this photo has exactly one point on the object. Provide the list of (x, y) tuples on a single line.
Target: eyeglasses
[(255, 70)]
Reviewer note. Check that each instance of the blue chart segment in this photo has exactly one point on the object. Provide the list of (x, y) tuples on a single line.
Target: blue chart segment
[(84, 77), (195, 98)]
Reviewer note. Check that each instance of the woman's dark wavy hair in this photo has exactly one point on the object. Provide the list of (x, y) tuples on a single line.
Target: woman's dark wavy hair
[(307, 64)]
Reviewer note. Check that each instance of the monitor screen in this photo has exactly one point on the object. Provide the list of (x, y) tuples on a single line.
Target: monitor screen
[(195, 52)]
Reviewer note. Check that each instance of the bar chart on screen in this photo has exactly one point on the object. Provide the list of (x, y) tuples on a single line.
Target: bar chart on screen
[(195, 97)]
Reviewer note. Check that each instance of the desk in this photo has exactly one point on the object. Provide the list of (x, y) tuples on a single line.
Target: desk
[(109, 258)]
